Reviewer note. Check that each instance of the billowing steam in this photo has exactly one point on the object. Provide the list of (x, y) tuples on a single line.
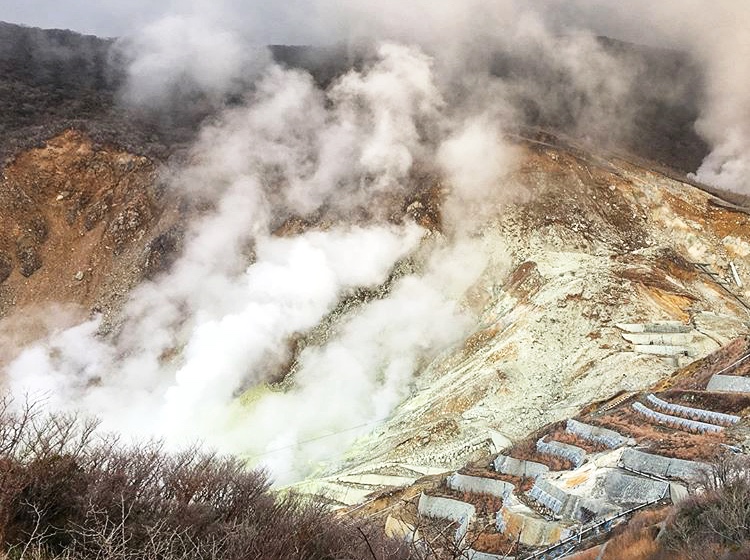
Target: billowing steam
[(197, 346), (716, 34), (220, 323)]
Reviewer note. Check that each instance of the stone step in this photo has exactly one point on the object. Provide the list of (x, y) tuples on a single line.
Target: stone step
[(664, 349), (616, 401), (660, 339)]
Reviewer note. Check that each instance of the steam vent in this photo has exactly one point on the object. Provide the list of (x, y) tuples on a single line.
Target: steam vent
[(375, 281)]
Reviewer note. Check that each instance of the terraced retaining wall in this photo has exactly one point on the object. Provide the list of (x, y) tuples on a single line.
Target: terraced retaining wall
[(519, 467), (459, 512), (595, 434), (574, 454), (664, 467), (480, 485), (693, 413), (518, 521), (677, 421)]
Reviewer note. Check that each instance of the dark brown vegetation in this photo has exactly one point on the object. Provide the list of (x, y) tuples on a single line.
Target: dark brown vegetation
[(66, 492), (727, 403), (714, 524)]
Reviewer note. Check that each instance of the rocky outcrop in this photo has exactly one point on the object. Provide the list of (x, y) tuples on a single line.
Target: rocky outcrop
[(72, 207)]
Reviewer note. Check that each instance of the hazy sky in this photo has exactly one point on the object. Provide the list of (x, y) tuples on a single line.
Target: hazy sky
[(280, 21)]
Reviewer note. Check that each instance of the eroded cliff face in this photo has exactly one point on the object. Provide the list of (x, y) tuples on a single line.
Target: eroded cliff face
[(600, 250), (80, 227)]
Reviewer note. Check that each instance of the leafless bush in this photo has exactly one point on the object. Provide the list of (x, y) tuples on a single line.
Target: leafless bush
[(68, 493), (715, 524)]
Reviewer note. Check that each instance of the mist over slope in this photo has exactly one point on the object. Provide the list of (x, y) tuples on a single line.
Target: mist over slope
[(333, 208)]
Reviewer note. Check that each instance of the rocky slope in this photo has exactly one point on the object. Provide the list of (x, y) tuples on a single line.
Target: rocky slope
[(603, 249), (81, 226)]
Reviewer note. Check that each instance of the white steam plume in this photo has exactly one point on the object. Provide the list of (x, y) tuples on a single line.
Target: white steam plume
[(364, 372), (717, 35), (222, 319), (179, 55)]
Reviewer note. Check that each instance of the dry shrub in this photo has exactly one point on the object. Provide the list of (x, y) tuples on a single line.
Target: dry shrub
[(67, 493), (637, 540), (572, 439), (714, 524), (588, 554), (660, 439), (495, 543)]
